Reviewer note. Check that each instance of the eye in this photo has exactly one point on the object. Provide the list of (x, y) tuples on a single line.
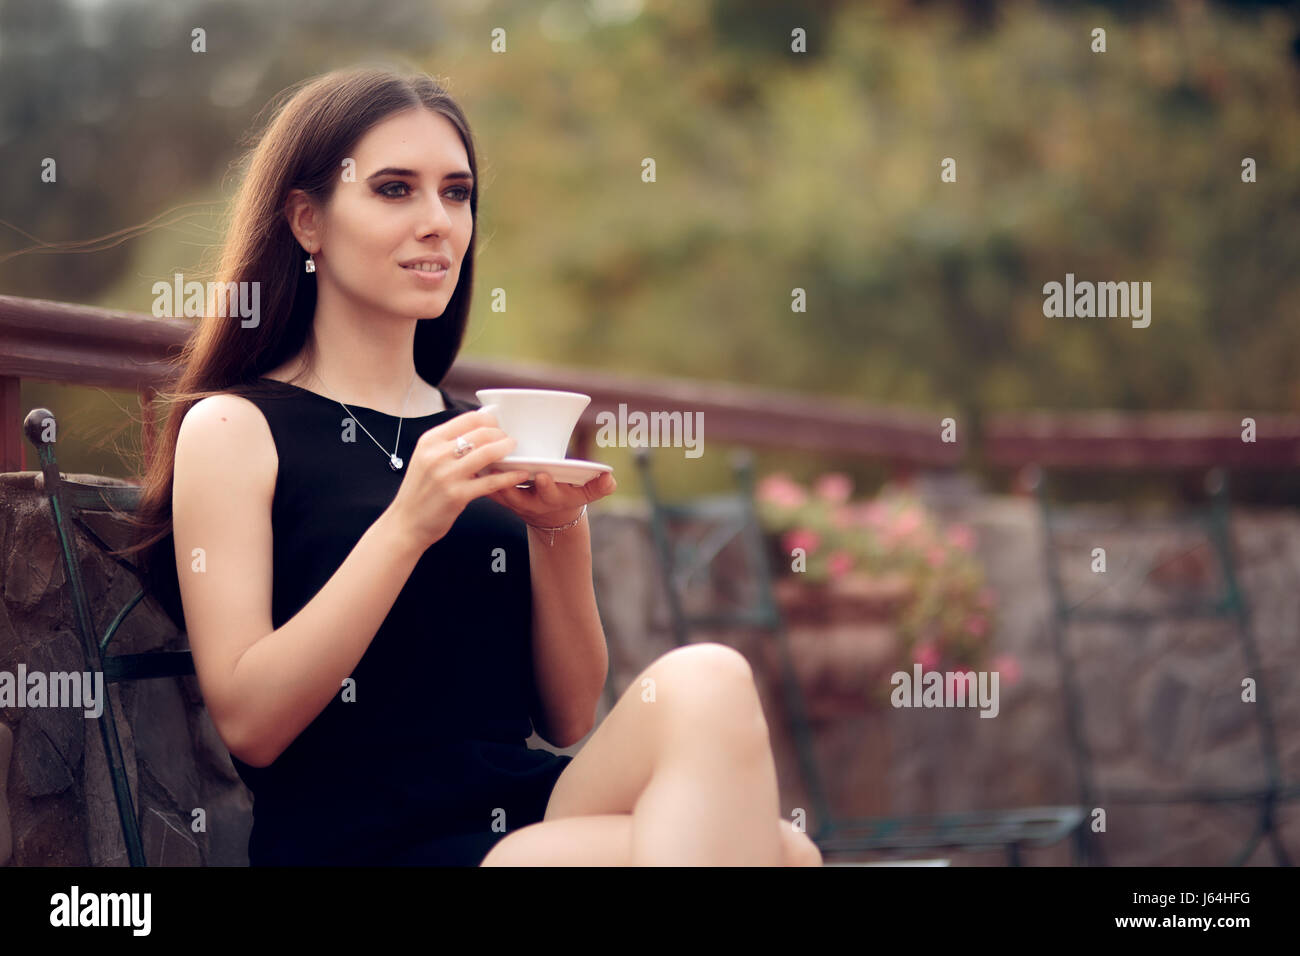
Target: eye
[(383, 190), (462, 189)]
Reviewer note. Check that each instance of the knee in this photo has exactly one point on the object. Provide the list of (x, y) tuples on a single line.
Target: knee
[(712, 683), (709, 657), (803, 851)]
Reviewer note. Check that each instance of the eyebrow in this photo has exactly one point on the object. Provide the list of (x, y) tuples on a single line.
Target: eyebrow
[(397, 171)]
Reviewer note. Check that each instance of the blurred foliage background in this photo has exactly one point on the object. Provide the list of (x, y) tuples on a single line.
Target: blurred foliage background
[(775, 171)]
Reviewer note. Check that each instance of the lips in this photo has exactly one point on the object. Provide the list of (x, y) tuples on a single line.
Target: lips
[(443, 261)]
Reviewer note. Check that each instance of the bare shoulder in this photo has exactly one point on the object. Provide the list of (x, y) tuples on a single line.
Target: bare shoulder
[(222, 492), (223, 432)]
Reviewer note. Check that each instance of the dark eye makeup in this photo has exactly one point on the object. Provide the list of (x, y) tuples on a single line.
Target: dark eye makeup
[(462, 191)]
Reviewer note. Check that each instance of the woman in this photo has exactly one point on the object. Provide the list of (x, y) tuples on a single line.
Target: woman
[(377, 621)]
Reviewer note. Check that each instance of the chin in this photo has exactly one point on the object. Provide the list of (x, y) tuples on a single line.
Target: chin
[(426, 310)]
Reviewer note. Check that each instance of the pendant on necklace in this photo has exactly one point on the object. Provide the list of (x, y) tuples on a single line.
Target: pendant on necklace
[(396, 463)]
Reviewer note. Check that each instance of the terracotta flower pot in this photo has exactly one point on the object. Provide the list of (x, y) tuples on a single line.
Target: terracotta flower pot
[(841, 667), (851, 598), (843, 641)]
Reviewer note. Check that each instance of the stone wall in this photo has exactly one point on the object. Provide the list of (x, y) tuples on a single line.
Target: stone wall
[(60, 799), (1162, 701)]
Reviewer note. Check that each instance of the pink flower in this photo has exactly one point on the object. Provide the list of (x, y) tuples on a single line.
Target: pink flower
[(834, 487), (907, 522), (961, 536), (977, 624), (875, 513), (927, 655), (907, 528), (842, 518), (1007, 667), (871, 514), (840, 563), (802, 538), (936, 556), (781, 489)]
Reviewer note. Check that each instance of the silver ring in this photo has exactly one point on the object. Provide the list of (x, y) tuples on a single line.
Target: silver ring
[(463, 447)]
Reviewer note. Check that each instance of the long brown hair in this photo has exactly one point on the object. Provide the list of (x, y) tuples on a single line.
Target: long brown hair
[(303, 147)]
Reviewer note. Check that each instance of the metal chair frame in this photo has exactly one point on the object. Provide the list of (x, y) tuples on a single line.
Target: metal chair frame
[(1230, 603), (68, 499), (735, 517)]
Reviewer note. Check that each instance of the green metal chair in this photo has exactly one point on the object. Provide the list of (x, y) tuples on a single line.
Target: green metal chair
[(732, 516), (1227, 601), (68, 499)]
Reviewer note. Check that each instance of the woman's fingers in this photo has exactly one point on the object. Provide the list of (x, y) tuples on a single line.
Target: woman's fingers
[(478, 428), (495, 484), (484, 455), (510, 496), (461, 424), (549, 492), (557, 495)]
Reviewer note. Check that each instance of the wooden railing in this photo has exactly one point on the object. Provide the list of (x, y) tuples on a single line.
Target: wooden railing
[(1167, 441), (82, 345)]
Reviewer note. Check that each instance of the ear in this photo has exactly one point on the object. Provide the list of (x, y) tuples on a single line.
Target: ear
[(304, 220)]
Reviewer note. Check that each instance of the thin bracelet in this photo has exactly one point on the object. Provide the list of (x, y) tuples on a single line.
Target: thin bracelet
[(559, 527)]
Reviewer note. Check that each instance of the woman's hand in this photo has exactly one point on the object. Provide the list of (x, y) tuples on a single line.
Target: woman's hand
[(437, 485), (550, 503)]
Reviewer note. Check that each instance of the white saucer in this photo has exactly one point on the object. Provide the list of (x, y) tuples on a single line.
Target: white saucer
[(570, 471)]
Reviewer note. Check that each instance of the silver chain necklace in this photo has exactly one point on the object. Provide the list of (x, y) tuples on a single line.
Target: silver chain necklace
[(393, 461)]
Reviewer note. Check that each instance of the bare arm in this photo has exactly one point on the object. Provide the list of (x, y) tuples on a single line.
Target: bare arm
[(288, 677), (262, 687), (570, 657)]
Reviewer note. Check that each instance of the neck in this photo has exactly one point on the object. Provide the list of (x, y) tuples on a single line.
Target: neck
[(359, 388), (364, 361)]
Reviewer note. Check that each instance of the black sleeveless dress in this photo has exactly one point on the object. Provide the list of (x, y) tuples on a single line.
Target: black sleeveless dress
[(428, 764)]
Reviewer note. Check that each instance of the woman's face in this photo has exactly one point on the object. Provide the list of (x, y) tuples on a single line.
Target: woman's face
[(406, 198)]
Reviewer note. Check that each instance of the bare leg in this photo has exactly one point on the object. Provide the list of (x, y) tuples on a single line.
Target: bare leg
[(600, 840), (685, 753), (606, 840), (713, 794), (798, 847)]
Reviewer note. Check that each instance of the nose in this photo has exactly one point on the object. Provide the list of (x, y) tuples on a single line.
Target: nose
[(434, 218)]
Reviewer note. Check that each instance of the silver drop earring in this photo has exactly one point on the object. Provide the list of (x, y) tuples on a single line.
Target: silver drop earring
[(311, 263)]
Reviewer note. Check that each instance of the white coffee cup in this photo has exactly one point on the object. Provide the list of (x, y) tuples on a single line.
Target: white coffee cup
[(540, 420)]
